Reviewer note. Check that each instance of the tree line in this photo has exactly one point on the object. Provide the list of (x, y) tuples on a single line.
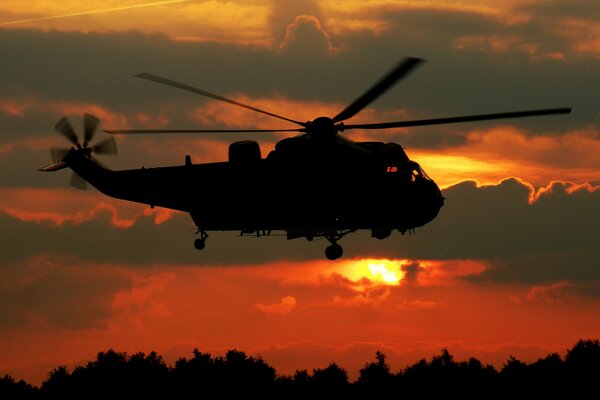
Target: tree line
[(236, 375)]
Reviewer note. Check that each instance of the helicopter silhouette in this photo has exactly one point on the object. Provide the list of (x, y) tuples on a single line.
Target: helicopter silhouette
[(317, 184)]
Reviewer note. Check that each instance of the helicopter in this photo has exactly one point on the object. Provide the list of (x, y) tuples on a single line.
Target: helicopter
[(317, 184)]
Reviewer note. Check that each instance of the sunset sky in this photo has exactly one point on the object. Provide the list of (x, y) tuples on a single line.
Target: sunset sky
[(510, 266)]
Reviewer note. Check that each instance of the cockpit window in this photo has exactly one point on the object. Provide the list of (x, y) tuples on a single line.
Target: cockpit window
[(424, 173), (418, 173), (411, 171)]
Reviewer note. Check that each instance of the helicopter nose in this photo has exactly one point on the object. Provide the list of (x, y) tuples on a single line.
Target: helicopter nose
[(434, 203)]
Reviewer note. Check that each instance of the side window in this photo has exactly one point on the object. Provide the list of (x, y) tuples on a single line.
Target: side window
[(415, 175)]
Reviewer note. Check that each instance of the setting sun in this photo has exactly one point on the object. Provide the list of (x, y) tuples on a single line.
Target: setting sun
[(386, 272), (382, 272)]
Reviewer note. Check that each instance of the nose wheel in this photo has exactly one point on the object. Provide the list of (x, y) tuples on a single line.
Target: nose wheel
[(334, 251)]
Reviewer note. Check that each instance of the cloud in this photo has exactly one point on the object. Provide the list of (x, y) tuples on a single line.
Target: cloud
[(57, 291), (66, 206), (554, 293), (181, 19), (553, 238), (285, 306), (497, 226), (285, 13), (306, 36), (373, 296), (492, 155)]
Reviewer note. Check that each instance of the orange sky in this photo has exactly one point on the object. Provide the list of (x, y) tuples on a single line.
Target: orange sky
[(305, 315), (508, 268)]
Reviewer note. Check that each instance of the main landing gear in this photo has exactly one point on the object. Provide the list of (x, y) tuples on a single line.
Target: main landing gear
[(200, 243), (334, 251)]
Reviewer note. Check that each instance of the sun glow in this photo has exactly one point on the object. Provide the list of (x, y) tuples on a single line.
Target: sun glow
[(384, 272)]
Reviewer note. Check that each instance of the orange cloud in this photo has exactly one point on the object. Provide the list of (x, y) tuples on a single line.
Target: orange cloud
[(584, 34), (14, 108), (356, 15), (19, 107), (496, 44), (492, 155), (133, 306), (61, 206), (285, 306), (373, 296), (179, 19), (555, 293), (163, 307), (218, 113), (303, 29)]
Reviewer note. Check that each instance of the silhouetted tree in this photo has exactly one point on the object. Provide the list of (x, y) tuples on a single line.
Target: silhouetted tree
[(58, 385), (443, 376), (329, 381), (193, 376), (113, 374), (11, 389), (584, 357), (236, 375), (375, 378), (582, 365), (476, 378)]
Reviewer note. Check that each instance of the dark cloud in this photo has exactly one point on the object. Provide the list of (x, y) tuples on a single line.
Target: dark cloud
[(58, 291), (411, 271), (554, 238), (144, 243), (97, 68)]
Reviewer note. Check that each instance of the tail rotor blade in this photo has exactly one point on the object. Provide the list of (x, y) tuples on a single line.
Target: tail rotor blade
[(107, 146), (64, 127), (78, 182), (90, 124)]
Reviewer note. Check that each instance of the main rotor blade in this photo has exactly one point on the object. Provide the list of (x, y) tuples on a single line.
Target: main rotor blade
[(107, 146), (90, 123), (140, 131), (466, 118), (192, 89), (64, 127), (401, 70)]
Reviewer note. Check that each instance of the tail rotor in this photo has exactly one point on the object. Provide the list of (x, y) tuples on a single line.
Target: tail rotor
[(60, 155)]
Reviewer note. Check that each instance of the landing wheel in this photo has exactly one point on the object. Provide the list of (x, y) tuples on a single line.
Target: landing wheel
[(199, 244), (334, 251)]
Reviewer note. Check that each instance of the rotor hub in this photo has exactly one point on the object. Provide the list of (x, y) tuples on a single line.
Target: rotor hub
[(322, 126)]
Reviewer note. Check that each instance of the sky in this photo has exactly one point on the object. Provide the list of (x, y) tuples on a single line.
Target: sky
[(509, 267)]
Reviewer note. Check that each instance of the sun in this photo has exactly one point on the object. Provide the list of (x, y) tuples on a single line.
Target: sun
[(382, 272)]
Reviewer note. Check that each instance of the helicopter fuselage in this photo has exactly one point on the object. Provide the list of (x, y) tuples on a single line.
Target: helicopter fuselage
[(304, 189)]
